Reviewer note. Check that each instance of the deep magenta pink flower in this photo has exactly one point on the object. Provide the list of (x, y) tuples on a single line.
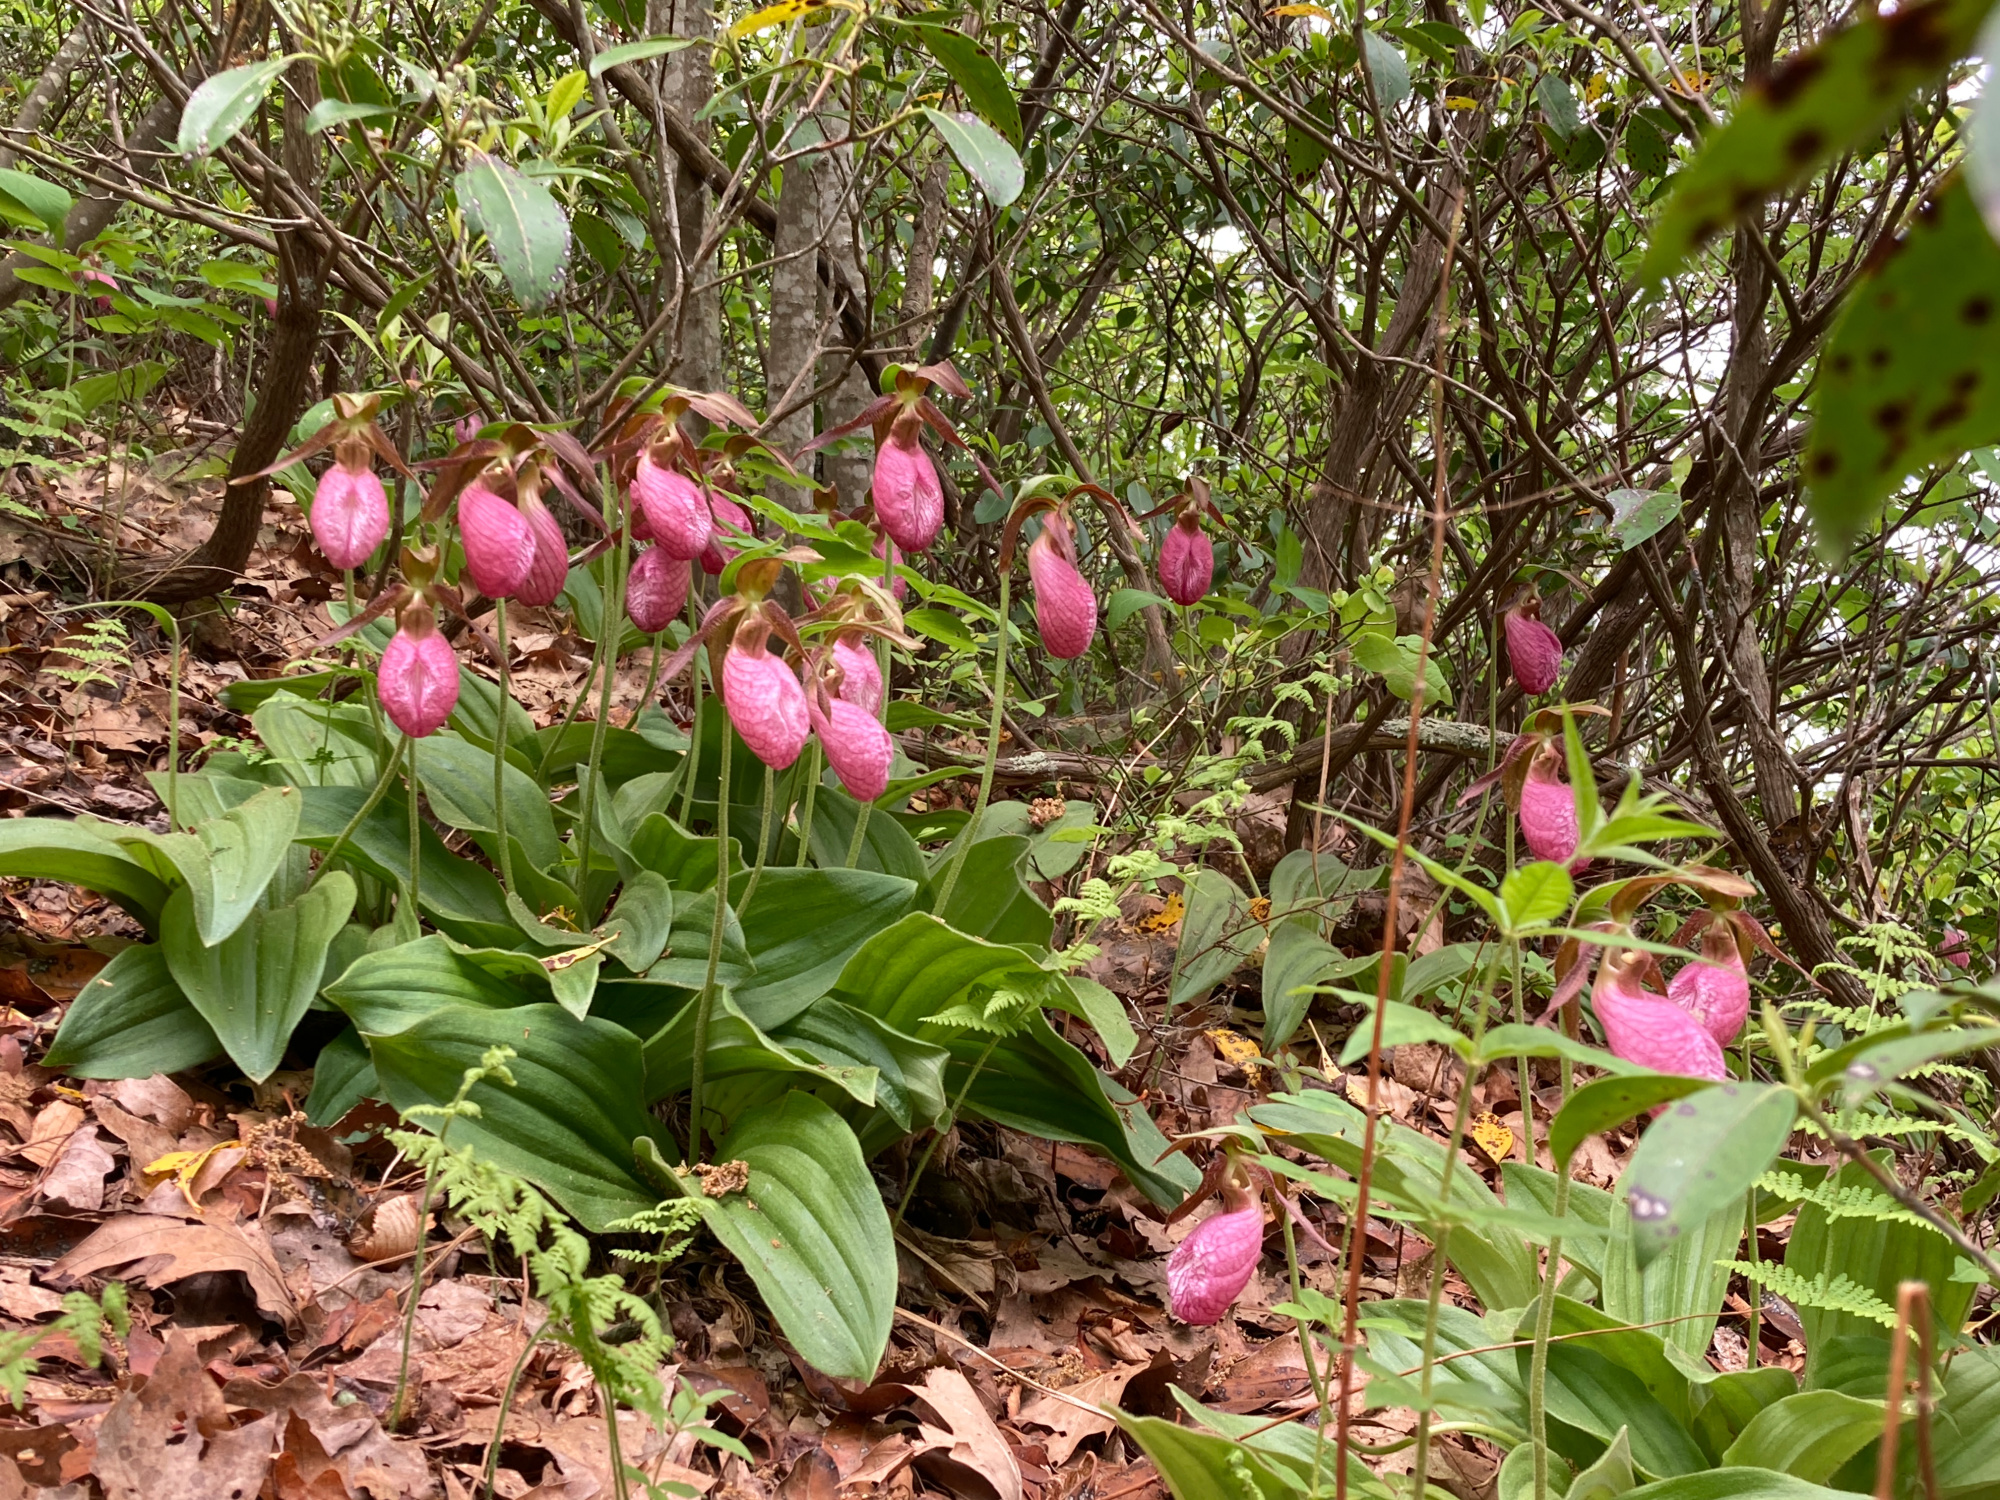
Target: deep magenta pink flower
[(1209, 1269), (656, 591), (96, 275), (417, 680), (908, 499), (1715, 988), (860, 673), (1187, 560), (499, 543), (766, 701), (350, 513), (1956, 949), (1548, 810), (550, 570), (675, 515), (1065, 608), (727, 513), (1534, 651), (1650, 1029), (857, 746)]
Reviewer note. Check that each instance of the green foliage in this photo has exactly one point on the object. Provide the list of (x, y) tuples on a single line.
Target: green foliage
[(83, 1318)]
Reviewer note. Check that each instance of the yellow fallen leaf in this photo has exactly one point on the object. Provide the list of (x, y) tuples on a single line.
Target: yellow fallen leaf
[(1166, 917), (184, 1167), (1495, 1139), (1260, 908), (1239, 1051)]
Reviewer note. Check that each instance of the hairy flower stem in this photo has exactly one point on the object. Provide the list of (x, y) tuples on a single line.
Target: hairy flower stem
[(1420, 1469), (691, 766), (854, 844), (1538, 1365), (506, 1401), (763, 840), (416, 825), (930, 1146), (613, 632), (806, 806), (653, 671), (374, 704), (1314, 1375), (971, 830), (704, 1005), (382, 785), (500, 753), (1756, 1285)]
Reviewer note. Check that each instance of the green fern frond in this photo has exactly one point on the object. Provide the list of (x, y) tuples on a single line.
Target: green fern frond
[(1853, 1202), (1842, 1294)]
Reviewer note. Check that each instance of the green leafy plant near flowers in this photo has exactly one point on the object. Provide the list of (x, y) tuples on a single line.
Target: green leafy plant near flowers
[(662, 923)]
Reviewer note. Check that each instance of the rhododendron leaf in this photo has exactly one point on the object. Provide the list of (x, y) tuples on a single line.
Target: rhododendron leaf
[(1832, 98), (977, 75), (1610, 1102), (1125, 603), (1637, 515), (1910, 375), (523, 224), (809, 1228), (224, 103), (1704, 1152), (983, 152)]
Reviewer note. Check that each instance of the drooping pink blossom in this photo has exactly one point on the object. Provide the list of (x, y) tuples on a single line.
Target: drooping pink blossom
[(675, 513), (1065, 608), (908, 499), (1534, 651), (1187, 560), (861, 674), (1209, 1269), (766, 701), (1714, 988), (1548, 810), (857, 746), (350, 513), (1956, 949), (97, 275), (499, 543), (417, 680), (656, 590), (1650, 1029), (550, 570)]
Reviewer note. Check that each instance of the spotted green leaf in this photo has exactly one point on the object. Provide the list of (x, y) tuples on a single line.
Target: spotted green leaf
[(523, 224), (1706, 1150)]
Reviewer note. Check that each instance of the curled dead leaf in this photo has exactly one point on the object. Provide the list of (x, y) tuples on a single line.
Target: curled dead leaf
[(391, 1230)]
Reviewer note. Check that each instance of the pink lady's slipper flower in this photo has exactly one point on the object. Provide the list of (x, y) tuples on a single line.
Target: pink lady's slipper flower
[(94, 275), (908, 499), (676, 516), (1650, 1029), (1065, 608), (857, 746), (656, 591), (1209, 1269), (1956, 949), (1548, 810), (765, 699), (499, 543), (417, 680), (718, 554), (1715, 988), (550, 569), (1187, 559), (1534, 651), (860, 673), (350, 509)]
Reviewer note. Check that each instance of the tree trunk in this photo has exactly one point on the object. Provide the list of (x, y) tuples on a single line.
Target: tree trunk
[(690, 83), (792, 333), (848, 474), (47, 90)]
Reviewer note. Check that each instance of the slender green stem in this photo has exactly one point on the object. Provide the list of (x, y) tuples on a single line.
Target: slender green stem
[(500, 753), (611, 1438), (1314, 1375), (174, 723), (374, 703), (705, 1002), (971, 830), (1538, 1367), (382, 785), (930, 1146), (806, 806), (506, 1402), (613, 631), (860, 838), (691, 767), (763, 840), (1756, 1286), (653, 671), (416, 825)]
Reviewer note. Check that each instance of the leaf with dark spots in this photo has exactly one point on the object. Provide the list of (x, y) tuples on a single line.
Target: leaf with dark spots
[(1704, 1151), (1911, 375), (1836, 97)]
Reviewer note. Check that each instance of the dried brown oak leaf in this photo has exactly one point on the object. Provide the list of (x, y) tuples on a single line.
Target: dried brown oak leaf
[(171, 1440), (158, 1250)]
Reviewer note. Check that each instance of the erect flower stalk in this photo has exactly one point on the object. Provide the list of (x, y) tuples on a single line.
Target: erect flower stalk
[(705, 1002), (506, 859), (992, 755), (611, 632)]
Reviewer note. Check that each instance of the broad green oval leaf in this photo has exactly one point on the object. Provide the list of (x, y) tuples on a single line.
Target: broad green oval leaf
[(885, 844), (1872, 1067), (462, 898), (132, 1021), (736, 1046), (1534, 894), (394, 988), (568, 1123), (992, 899), (802, 928), (1735, 1484), (977, 75), (77, 854), (1387, 71), (1682, 1290), (227, 861), (40, 203), (458, 782), (1809, 1435), (1911, 374), (1218, 935), (1704, 1152), (1126, 603), (1295, 963), (329, 113), (1617, 1379), (343, 1075), (224, 103), (909, 1083), (1608, 1103), (1198, 1465), (1832, 98), (637, 930), (1637, 515), (810, 1229), (523, 224), (987, 158), (632, 52), (255, 985)]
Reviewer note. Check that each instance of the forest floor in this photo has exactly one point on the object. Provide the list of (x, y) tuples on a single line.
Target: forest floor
[(267, 1275)]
